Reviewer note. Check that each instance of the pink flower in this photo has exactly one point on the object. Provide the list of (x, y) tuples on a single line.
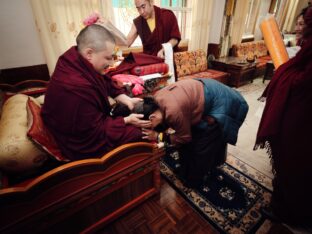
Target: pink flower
[(91, 19), (137, 89), (133, 80)]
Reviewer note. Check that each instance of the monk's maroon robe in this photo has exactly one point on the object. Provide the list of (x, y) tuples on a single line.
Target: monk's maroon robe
[(285, 130), (136, 59), (76, 110), (166, 28)]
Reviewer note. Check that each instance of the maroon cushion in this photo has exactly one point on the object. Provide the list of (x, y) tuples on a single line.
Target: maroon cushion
[(150, 69), (39, 133)]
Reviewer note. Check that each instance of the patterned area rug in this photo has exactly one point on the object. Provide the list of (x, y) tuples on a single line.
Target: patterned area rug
[(231, 199)]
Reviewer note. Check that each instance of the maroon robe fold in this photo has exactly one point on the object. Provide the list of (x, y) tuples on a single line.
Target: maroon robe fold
[(166, 28), (76, 110)]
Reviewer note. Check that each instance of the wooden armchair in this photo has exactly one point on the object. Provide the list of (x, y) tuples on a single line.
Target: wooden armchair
[(194, 64), (254, 49)]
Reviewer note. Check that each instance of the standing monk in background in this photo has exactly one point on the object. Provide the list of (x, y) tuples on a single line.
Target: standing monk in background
[(155, 26)]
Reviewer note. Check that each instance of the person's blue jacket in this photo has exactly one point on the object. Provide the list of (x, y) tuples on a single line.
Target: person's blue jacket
[(226, 105)]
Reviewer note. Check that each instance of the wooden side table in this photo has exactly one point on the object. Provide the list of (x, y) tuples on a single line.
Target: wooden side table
[(240, 72)]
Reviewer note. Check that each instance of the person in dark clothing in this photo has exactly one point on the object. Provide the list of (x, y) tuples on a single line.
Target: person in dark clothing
[(205, 115), (284, 131)]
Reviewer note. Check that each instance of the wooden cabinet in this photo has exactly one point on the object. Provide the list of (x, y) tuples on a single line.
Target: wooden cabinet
[(240, 72)]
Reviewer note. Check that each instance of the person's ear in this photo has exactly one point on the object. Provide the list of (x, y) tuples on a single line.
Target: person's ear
[(152, 116), (89, 53)]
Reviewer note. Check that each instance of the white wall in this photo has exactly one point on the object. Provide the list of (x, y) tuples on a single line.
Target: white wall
[(19, 41), (216, 21)]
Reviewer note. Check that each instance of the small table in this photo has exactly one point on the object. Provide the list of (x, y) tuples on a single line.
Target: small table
[(241, 72)]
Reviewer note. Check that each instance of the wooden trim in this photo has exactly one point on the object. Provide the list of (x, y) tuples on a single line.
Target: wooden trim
[(248, 38), (183, 46), (101, 189), (19, 74)]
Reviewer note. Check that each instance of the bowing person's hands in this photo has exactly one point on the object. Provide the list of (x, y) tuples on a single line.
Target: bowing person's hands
[(149, 134), (136, 120)]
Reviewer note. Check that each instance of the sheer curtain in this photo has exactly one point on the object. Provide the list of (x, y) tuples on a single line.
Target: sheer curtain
[(238, 23), (201, 18), (107, 10), (59, 22), (287, 16)]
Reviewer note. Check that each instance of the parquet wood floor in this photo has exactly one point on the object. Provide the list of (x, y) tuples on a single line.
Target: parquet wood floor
[(168, 212)]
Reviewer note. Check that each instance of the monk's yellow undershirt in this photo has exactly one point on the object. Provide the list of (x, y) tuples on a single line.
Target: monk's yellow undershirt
[(151, 23)]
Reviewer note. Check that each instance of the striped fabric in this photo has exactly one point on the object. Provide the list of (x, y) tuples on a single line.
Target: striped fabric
[(150, 69)]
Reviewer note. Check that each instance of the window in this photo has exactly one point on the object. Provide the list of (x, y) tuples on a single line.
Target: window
[(182, 10), (125, 12)]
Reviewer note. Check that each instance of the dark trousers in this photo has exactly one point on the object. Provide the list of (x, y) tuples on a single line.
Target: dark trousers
[(206, 151)]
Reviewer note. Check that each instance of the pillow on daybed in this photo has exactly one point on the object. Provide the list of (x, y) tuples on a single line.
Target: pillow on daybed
[(17, 152), (39, 133)]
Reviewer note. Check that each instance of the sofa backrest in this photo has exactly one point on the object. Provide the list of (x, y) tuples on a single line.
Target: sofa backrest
[(190, 62), (254, 48)]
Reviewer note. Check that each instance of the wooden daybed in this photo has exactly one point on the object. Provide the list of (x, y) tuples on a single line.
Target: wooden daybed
[(81, 196)]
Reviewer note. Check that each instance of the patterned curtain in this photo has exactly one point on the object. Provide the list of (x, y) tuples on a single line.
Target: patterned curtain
[(107, 10), (59, 22), (124, 12)]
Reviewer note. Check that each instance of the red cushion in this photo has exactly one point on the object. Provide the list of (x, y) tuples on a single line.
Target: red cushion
[(39, 133), (150, 69)]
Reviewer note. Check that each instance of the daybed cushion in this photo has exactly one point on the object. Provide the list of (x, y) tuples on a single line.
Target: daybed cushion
[(39, 133), (17, 152)]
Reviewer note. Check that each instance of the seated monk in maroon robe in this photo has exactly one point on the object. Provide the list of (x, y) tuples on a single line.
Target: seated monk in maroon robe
[(76, 108), (155, 26)]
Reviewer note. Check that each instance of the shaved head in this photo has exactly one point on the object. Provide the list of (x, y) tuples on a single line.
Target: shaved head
[(95, 37)]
